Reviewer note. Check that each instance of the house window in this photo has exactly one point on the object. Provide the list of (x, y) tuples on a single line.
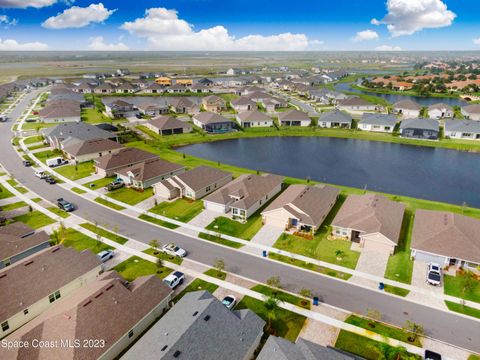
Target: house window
[(55, 296), (5, 326), (466, 135), (25, 312), (130, 333), (234, 211)]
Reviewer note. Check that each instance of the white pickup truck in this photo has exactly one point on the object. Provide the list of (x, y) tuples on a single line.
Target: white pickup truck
[(174, 279)]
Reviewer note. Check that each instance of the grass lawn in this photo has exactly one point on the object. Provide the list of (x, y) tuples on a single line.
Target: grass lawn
[(240, 230), (286, 324), (382, 329), (159, 254), (221, 241), (158, 221), (454, 285), (362, 346), (47, 154), (93, 116), (466, 310), (196, 285), (34, 219), (33, 139), (400, 265), (216, 274), (100, 183), (109, 204), (104, 233), (130, 196), (474, 357), (282, 296), (80, 242), (58, 212), (181, 209), (78, 190), (36, 125), (35, 147), (396, 290), (78, 171), (309, 266), (4, 193), (14, 206), (135, 267)]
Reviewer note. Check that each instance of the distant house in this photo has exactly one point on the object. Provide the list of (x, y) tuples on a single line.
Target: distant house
[(18, 241), (83, 88), (253, 118), (378, 122), (420, 129), (301, 207), (197, 88), (325, 96), (61, 111), (210, 331), (407, 109), (214, 103), (168, 125), (205, 82), (193, 184), (446, 238), (243, 104), (104, 88), (213, 123), (153, 88), (177, 89), (108, 308), (87, 150), (245, 195), (258, 96), (294, 118), (152, 109), (462, 129), (120, 108), (335, 118), (272, 104), (35, 283), (371, 220), (471, 112), (440, 111), (184, 82), (126, 157), (163, 81), (125, 88), (354, 103), (182, 105), (143, 175)]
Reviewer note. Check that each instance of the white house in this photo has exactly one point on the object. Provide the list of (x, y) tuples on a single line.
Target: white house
[(378, 122)]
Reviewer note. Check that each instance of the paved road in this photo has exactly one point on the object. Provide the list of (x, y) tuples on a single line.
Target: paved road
[(447, 327)]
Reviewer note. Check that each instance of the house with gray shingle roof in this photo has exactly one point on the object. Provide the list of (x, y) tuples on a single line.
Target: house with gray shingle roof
[(243, 103), (378, 122), (355, 103), (294, 117), (86, 150), (440, 111), (407, 109), (212, 122), (471, 112), (58, 136), (254, 118), (199, 326), (462, 129), (335, 118), (168, 125), (427, 129)]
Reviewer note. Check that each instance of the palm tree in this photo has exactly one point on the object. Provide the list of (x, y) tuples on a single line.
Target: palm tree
[(271, 306), (339, 254)]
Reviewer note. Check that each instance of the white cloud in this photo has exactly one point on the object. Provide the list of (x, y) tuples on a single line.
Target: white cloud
[(365, 35), (22, 4), (476, 41), (405, 17), (13, 45), (164, 30), (388, 48), (5, 20), (98, 44), (77, 17)]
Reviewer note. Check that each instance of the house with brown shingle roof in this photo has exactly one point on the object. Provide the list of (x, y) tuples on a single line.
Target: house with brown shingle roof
[(244, 195), (87, 150), (446, 238), (61, 111), (32, 285), (254, 118), (126, 157), (243, 103), (301, 207), (145, 174), (214, 103), (371, 220), (109, 309), (152, 109), (193, 184), (168, 125), (182, 105), (294, 118)]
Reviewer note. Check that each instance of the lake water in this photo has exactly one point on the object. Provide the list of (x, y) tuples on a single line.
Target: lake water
[(421, 172), (393, 98)]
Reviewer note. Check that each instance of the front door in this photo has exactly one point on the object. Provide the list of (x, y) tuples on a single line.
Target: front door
[(355, 236)]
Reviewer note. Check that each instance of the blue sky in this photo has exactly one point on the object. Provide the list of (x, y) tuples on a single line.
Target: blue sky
[(240, 25)]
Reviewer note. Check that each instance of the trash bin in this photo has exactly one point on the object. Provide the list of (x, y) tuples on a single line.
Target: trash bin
[(381, 286), (315, 300), (264, 253)]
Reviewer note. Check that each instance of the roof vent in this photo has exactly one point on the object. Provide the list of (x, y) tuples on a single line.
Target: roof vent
[(177, 353), (28, 263), (195, 313), (109, 287), (164, 348), (2, 275), (88, 302), (206, 318), (98, 295), (44, 268), (56, 249)]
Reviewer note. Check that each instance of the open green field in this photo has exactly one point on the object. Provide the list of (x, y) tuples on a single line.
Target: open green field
[(135, 267), (130, 196), (181, 209)]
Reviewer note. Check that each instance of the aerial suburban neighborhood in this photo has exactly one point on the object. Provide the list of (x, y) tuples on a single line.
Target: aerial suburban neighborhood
[(250, 181)]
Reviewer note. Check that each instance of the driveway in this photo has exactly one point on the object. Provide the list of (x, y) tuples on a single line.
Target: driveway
[(201, 220), (430, 293), (373, 261), (267, 235)]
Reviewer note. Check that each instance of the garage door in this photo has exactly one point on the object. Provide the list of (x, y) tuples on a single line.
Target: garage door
[(427, 258), (276, 221), (214, 207)]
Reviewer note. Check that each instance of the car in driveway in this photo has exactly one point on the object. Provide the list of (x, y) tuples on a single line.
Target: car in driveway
[(229, 301), (105, 255), (434, 274), (117, 184), (174, 279), (174, 250), (56, 162), (40, 174), (65, 205)]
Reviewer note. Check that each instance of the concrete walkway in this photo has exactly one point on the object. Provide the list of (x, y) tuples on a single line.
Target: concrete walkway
[(200, 221)]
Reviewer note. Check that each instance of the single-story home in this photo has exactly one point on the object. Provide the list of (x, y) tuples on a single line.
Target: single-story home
[(243, 104), (214, 103), (372, 220), (253, 118), (446, 238), (301, 207), (145, 174), (471, 112), (420, 129), (407, 109), (168, 125), (294, 117), (213, 122), (182, 105), (193, 184), (354, 103), (335, 118), (61, 110), (462, 129), (120, 108), (244, 195), (152, 109), (126, 157), (104, 88), (378, 122), (440, 111), (153, 88), (86, 150)]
